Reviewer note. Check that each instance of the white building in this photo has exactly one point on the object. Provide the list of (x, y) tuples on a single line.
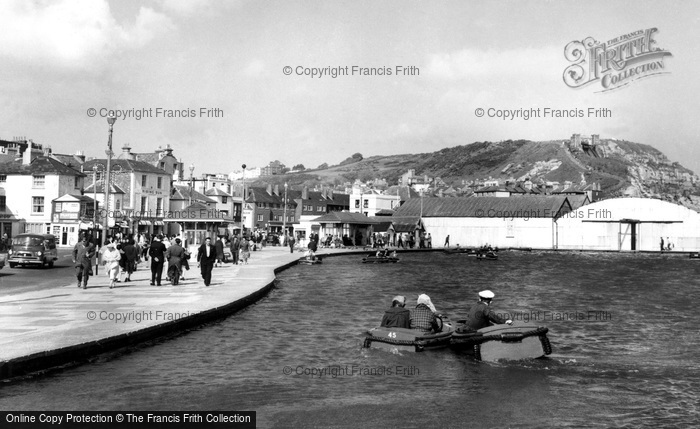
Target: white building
[(527, 221), (369, 202), (27, 190), (630, 224)]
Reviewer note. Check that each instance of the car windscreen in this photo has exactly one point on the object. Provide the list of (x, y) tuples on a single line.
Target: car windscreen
[(27, 241)]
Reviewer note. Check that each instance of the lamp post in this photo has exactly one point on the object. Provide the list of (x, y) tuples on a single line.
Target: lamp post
[(105, 222), (191, 183), (243, 201), (284, 215), (94, 207)]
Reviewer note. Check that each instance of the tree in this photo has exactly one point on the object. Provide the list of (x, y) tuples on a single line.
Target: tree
[(357, 156), (323, 166), (299, 167)]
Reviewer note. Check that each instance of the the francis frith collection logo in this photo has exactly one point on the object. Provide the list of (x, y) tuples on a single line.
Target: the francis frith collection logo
[(615, 63)]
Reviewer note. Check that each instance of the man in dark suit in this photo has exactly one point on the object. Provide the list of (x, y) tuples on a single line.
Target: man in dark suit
[(157, 254), (206, 257)]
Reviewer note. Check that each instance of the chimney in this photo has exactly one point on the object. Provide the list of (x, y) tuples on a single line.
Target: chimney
[(305, 193), (329, 194), (27, 155), (80, 156), (269, 189), (277, 190), (47, 151)]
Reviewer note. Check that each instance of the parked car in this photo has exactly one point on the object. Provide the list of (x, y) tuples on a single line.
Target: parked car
[(32, 249)]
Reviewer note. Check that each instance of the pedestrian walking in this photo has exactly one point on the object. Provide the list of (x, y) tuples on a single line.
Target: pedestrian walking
[(157, 254), (447, 241), (291, 242), (235, 244), (130, 254), (219, 247), (111, 258), (83, 252), (206, 257)]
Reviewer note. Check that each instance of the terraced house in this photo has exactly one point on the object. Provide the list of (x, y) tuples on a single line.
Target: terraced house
[(27, 188)]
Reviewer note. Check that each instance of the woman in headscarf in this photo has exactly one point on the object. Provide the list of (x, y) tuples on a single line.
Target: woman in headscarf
[(110, 259), (423, 317)]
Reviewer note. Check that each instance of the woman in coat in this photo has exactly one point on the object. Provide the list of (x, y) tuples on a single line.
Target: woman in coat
[(110, 258)]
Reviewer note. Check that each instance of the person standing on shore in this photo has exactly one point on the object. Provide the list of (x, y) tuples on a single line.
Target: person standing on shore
[(206, 257), (157, 254), (662, 244), (447, 241), (83, 253), (219, 247)]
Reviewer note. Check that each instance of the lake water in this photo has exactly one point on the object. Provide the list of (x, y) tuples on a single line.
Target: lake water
[(623, 329)]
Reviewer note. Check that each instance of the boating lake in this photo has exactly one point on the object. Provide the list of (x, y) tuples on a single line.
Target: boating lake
[(623, 329)]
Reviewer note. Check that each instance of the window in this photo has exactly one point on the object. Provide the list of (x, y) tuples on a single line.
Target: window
[(38, 181), (3, 203), (160, 182), (366, 204), (144, 180), (3, 178), (76, 183), (319, 208), (37, 205), (357, 204), (117, 205), (224, 200), (59, 207), (162, 164), (144, 204), (260, 218), (159, 207)]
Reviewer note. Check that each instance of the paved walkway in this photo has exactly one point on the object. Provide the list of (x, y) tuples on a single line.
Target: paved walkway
[(60, 325)]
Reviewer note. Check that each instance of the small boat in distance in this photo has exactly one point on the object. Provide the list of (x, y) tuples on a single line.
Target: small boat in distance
[(695, 255), (312, 261), (487, 255)]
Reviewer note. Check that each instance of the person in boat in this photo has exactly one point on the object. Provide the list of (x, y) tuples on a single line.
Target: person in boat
[(481, 315), (393, 254), (381, 253), (397, 316), (423, 317)]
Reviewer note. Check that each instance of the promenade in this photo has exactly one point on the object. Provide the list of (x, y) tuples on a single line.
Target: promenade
[(66, 324)]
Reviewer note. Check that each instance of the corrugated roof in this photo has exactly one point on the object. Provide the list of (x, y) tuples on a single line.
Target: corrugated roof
[(531, 206), (345, 217)]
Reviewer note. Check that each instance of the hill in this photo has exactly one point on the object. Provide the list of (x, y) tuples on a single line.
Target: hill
[(622, 168)]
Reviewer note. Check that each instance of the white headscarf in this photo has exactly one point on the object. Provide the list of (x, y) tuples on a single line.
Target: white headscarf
[(425, 299)]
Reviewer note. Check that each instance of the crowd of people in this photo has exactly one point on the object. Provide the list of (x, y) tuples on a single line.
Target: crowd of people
[(425, 318), (120, 255)]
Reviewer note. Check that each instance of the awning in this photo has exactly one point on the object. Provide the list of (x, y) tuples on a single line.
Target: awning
[(158, 222), (144, 222)]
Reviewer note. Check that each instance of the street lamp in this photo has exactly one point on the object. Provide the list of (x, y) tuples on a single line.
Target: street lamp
[(243, 201), (105, 222), (284, 216), (191, 182)]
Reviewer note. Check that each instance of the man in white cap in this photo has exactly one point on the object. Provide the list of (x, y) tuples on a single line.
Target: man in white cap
[(397, 316), (481, 315)]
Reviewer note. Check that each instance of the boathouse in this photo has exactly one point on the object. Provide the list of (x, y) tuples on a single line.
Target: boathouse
[(630, 224), (525, 221)]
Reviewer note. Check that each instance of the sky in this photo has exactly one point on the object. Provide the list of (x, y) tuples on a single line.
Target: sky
[(160, 58)]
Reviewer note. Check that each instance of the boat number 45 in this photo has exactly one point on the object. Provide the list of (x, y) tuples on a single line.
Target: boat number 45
[(392, 335)]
